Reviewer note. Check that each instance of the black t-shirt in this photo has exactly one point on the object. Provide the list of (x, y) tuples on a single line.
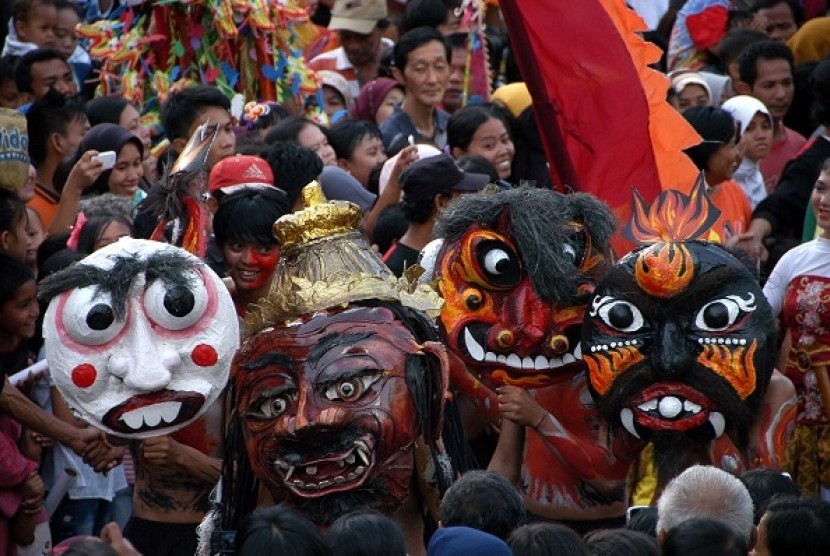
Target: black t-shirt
[(400, 257)]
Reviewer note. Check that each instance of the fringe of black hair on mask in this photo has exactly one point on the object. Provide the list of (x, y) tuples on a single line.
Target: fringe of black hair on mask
[(539, 227), (168, 266)]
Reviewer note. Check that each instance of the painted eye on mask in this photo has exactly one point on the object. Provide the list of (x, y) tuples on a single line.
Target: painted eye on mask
[(176, 306), (271, 407), (497, 264), (720, 314), (350, 389), (618, 314), (89, 318)]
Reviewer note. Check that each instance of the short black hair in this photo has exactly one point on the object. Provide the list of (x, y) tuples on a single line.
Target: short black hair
[(51, 114), (390, 226), (425, 13), (106, 109), (620, 542), (13, 274), (483, 500), (183, 108), (795, 8), (735, 42), (546, 539), (701, 537), (248, 216), (798, 526), (7, 66), (345, 136), (477, 164), (366, 533), (23, 8), (413, 39), (12, 210), (293, 167), (69, 5), (289, 129), (23, 72), (765, 484), (279, 531), (767, 50)]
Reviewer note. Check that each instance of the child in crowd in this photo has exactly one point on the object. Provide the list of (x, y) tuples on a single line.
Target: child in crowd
[(13, 223), (33, 23), (21, 488), (66, 41), (755, 128)]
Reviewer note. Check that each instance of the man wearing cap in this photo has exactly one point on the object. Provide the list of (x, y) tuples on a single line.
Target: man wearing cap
[(428, 185), (357, 59)]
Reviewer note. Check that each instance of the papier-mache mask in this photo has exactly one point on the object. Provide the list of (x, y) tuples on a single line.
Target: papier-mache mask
[(516, 271), (139, 337), (679, 338)]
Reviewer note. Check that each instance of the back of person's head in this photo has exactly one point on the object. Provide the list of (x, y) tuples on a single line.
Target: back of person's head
[(796, 527), (247, 216), (279, 531), (287, 129), (735, 42), (106, 109), (425, 13), (8, 64), (644, 521), (412, 40), (185, 106), (620, 542), (703, 537), (765, 484), (12, 210), (820, 87), (705, 491), (23, 71), (483, 500), (13, 274), (293, 167), (346, 136), (461, 541), (52, 114), (546, 539), (715, 126), (390, 226), (366, 533), (477, 164), (764, 50)]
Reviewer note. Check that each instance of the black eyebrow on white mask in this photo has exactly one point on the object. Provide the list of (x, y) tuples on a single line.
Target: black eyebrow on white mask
[(169, 267)]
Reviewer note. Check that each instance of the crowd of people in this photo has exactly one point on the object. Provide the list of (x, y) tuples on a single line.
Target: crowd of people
[(402, 138)]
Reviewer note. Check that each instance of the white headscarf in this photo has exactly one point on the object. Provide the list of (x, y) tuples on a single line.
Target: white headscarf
[(743, 108)]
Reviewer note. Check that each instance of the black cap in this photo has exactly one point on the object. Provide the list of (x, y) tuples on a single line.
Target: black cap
[(428, 177)]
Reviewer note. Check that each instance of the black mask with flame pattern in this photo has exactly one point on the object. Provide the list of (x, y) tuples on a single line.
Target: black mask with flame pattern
[(679, 338)]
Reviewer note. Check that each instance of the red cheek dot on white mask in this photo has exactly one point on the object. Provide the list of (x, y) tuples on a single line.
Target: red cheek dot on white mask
[(204, 355), (84, 375)]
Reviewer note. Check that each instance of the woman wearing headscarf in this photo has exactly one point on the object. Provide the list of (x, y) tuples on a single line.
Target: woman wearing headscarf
[(755, 130)]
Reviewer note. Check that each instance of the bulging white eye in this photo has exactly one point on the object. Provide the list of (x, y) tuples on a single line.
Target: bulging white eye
[(89, 318), (496, 261), (718, 315), (178, 306), (621, 315)]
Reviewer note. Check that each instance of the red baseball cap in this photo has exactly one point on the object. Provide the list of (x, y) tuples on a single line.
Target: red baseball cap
[(238, 172)]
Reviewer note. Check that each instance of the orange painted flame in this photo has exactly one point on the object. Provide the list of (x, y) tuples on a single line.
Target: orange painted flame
[(735, 364), (673, 216), (603, 368), (664, 269)]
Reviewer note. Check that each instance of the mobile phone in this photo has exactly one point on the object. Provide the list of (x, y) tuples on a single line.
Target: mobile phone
[(107, 159)]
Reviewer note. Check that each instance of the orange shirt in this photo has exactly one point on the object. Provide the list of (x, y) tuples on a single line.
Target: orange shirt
[(735, 210), (45, 204)]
